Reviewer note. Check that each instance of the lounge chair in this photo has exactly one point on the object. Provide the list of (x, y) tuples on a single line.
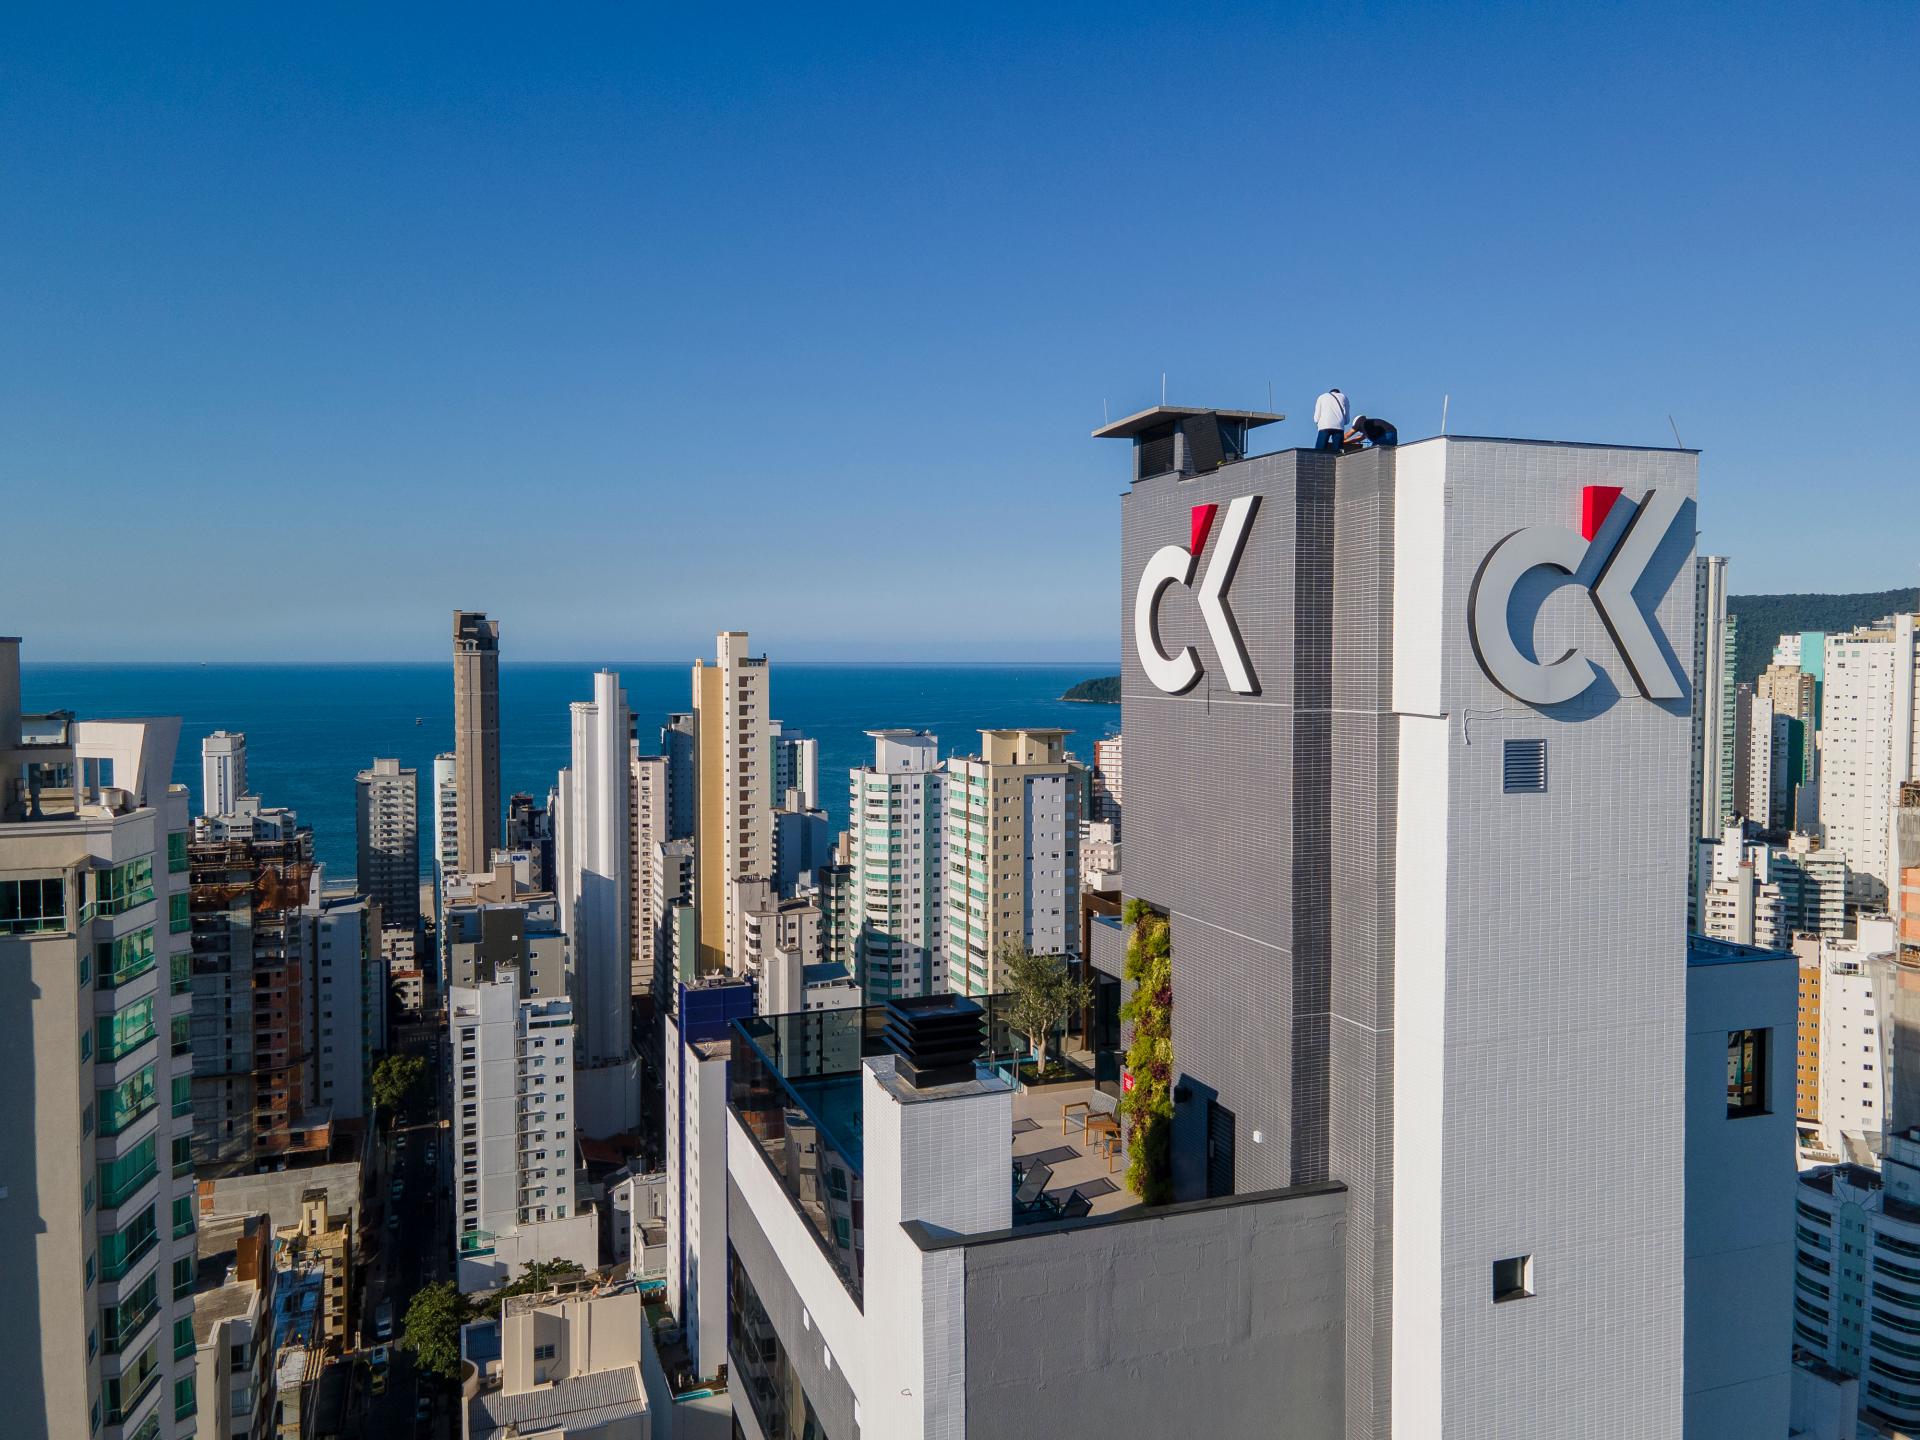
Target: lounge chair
[(1032, 1193), (1076, 1207)]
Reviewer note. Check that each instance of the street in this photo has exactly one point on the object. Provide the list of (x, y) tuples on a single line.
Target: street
[(411, 1253)]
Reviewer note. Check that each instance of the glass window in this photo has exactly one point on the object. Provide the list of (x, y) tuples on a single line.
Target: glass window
[(127, 1101), (183, 1094), (33, 907), (183, 1337), (120, 1178), (183, 1403), (126, 1030), (180, 973), (124, 1249), (126, 958), (177, 852), (181, 1032), (182, 1216), (179, 917), (183, 1277), (122, 887), (1746, 1073), (182, 1155)]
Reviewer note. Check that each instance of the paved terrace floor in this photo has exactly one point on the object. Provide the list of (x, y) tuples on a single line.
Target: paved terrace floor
[(1077, 1163)]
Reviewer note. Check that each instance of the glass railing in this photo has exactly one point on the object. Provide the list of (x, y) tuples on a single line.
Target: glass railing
[(121, 1179), (124, 1031), (127, 1390), (124, 959), (121, 1324), (121, 1251), (794, 1083), (127, 1102)]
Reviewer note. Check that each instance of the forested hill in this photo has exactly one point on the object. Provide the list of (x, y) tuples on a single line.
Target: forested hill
[(1104, 690), (1765, 618)]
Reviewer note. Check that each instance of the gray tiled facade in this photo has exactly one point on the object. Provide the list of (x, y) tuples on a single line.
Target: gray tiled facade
[(1267, 826), (1266, 831)]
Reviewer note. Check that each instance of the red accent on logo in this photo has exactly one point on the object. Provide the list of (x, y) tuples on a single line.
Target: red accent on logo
[(1595, 502), (1126, 1080), (1203, 522)]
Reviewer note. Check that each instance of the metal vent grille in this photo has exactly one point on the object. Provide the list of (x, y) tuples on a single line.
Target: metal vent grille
[(1524, 767)]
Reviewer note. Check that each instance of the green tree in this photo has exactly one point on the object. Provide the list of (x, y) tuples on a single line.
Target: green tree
[(1045, 991), (395, 1079), (535, 1276), (432, 1328), (1148, 1106)]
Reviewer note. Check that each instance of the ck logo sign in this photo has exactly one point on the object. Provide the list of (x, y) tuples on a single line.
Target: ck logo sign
[(1174, 565), (1628, 550)]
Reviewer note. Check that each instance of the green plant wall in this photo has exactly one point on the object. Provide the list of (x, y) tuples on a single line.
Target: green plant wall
[(1148, 1107)]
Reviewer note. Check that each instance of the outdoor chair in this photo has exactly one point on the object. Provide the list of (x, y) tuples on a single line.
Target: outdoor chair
[(1032, 1193)]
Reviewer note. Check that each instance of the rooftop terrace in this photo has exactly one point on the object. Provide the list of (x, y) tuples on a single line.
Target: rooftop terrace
[(795, 1085)]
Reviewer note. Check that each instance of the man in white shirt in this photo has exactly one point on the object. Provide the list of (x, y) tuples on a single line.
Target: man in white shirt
[(1330, 417)]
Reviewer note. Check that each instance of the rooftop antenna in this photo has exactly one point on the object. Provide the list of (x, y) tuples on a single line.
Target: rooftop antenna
[(1676, 433), (1445, 401), (1269, 397), (1163, 387), (1105, 419)]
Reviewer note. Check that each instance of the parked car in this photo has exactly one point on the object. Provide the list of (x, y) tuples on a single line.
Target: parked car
[(383, 1320), (380, 1357)]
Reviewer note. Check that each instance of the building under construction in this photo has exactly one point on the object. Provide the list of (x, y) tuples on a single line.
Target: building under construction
[(253, 1049)]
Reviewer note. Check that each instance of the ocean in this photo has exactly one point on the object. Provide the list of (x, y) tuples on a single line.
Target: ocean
[(311, 728)]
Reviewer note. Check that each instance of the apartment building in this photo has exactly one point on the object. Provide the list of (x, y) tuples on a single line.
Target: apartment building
[(1868, 742), (97, 1229), (593, 847), (1856, 1303), (223, 772), (734, 794), (1766, 887), (649, 818), (1012, 854), (897, 829), (1108, 774), (1715, 656), (233, 1329), (446, 814), (476, 738), (514, 1116), (796, 765), (1794, 694), (349, 998), (563, 1363), (387, 825)]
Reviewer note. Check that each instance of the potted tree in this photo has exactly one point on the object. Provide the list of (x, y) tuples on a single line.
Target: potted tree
[(1044, 992)]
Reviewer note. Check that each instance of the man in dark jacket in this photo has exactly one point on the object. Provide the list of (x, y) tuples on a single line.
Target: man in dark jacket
[(1377, 433)]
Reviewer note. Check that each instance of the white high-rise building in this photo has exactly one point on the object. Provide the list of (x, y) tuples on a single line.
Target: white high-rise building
[(650, 814), (223, 772), (387, 825), (796, 766), (734, 795), (350, 999), (446, 815), (1765, 894), (1769, 797), (97, 1192), (1856, 1003), (897, 827), (1868, 745), (514, 1117), (1714, 730), (593, 848), (670, 886)]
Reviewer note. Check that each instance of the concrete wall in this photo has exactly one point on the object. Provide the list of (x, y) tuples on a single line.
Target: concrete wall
[(1219, 1318), (1739, 1206)]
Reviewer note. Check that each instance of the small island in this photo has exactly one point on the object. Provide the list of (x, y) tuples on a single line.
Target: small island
[(1103, 690)]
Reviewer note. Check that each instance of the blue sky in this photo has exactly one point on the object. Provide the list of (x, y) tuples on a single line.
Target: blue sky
[(320, 322)]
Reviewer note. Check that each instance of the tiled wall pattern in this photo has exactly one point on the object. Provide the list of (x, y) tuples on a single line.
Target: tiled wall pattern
[(1266, 825)]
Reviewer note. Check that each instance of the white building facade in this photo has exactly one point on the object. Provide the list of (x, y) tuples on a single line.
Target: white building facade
[(1868, 743), (898, 831), (514, 1118), (593, 849)]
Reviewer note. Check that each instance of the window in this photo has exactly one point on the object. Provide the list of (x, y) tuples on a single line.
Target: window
[(33, 907), (177, 852), (1523, 769), (182, 1216), (1746, 1073), (183, 1337), (183, 1277), (124, 959), (1512, 1279), (119, 889), (543, 1352), (179, 918)]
